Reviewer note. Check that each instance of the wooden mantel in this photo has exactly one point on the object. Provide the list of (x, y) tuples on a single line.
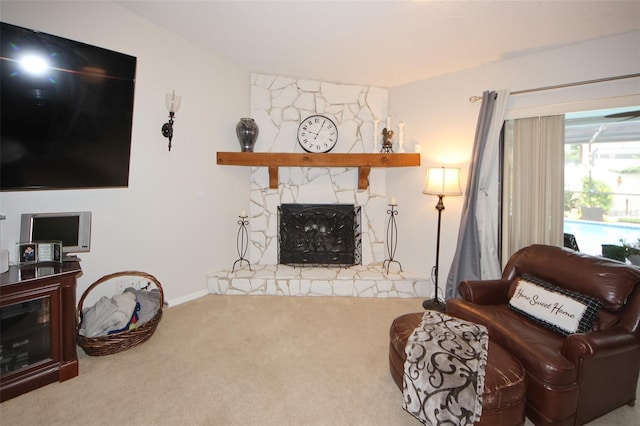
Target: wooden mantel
[(273, 160)]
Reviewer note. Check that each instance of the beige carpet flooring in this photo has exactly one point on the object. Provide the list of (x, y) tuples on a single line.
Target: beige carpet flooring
[(244, 360)]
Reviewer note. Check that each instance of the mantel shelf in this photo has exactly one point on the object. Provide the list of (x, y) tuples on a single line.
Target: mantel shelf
[(273, 160)]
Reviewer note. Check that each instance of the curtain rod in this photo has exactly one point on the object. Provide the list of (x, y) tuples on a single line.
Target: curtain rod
[(562, 86)]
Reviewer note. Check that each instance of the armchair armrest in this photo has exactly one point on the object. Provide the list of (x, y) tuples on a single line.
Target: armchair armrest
[(485, 292), (599, 343)]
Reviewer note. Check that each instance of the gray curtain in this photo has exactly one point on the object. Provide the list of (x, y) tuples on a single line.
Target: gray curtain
[(466, 261)]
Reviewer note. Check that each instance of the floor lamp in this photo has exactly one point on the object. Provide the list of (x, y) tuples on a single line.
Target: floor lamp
[(441, 181)]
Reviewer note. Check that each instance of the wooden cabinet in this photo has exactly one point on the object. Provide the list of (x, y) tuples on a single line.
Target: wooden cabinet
[(37, 331)]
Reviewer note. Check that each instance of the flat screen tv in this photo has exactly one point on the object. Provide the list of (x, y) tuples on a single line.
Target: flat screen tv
[(72, 228), (66, 112)]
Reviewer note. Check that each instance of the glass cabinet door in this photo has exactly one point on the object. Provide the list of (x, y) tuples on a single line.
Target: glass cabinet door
[(26, 333)]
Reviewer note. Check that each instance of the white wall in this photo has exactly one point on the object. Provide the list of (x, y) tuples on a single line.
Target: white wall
[(177, 219), (440, 118)]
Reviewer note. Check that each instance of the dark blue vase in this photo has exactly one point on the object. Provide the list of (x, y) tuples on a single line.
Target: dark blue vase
[(247, 131)]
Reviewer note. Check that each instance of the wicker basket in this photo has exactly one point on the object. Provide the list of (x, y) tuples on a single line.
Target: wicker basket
[(118, 342)]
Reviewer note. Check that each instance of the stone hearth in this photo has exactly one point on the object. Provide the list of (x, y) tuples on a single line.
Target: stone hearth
[(283, 280)]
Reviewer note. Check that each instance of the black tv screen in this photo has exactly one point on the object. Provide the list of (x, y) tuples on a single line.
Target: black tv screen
[(66, 112)]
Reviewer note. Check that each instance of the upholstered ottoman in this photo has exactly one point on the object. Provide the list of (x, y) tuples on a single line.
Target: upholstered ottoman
[(503, 400)]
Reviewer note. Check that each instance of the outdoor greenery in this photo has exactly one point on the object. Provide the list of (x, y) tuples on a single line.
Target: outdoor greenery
[(621, 252), (572, 154), (595, 193), (630, 170), (629, 220), (570, 200), (631, 248)]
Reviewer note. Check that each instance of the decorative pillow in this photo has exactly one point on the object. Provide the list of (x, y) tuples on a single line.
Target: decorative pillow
[(557, 308)]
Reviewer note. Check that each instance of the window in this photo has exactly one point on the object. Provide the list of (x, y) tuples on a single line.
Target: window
[(602, 180)]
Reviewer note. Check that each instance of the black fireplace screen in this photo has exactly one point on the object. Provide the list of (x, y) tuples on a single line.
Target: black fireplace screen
[(319, 234)]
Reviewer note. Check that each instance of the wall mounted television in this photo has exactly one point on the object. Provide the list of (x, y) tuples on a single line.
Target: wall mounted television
[(72, 228), (66, 112)]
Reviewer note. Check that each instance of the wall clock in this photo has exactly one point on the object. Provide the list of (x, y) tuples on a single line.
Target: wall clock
[(317, 133)]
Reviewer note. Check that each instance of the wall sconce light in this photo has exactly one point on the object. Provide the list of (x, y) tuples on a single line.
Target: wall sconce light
[(172, 102), (441, 181)]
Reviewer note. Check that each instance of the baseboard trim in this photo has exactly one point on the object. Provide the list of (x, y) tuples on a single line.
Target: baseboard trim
[(187, 298)]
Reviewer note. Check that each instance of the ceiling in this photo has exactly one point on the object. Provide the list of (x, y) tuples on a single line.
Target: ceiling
[(384, 43), (610, 125)]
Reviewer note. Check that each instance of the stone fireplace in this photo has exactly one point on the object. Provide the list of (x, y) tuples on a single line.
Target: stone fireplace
[(278, 104), (319, 235)]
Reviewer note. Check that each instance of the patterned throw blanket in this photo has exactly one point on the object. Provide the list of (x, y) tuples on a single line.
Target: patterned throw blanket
[(444, 370)]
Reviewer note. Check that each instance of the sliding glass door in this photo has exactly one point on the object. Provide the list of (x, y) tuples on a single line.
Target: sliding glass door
[(600, 178), (602, 181)]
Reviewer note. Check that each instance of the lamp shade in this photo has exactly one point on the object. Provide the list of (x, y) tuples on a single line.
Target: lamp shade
[(442, 181), (172, 101)]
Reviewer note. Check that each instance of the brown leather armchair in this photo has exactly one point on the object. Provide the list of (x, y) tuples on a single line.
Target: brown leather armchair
[(572, 379)]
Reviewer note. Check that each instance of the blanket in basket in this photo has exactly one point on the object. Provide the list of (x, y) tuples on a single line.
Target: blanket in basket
[(444, 370)]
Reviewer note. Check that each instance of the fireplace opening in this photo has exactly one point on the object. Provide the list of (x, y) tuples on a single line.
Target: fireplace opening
[(319, 235)]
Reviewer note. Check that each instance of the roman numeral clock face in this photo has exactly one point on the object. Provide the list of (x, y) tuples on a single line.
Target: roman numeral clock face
[(317, 133)]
